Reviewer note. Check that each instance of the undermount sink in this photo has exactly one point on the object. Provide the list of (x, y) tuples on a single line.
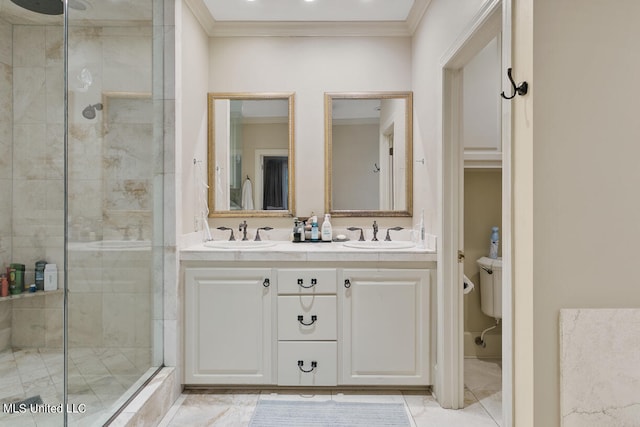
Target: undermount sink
[(239, 244), (119, 244), (380, 245)]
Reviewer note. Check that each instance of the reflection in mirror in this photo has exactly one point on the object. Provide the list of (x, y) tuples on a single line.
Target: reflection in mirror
[(368, 153), (251, 154)]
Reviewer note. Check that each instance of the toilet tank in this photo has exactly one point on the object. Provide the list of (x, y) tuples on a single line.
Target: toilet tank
[(491, 286)]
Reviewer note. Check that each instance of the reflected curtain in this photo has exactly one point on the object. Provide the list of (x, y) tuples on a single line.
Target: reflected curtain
[(275, 183)]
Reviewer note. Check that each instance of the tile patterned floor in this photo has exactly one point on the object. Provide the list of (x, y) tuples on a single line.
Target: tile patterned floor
[(98, 378), (234, 409)]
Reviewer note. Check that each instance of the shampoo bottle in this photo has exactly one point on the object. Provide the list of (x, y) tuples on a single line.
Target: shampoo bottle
[(327, 232), (495, 239), (50, 277)]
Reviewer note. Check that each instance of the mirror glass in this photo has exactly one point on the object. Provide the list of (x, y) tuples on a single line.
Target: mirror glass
[(250, 154), (368, 141)]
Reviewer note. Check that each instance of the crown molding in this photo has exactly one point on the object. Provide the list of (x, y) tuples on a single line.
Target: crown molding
[(202, 14), (416, 13), (300, 29), (309, 29)]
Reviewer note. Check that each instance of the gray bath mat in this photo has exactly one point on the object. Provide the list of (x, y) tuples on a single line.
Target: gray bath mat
[(278, 413), (24, 404)]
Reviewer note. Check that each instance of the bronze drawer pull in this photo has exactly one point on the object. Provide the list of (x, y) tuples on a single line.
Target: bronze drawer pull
[(314, 365), (313, 283), (313, 320)]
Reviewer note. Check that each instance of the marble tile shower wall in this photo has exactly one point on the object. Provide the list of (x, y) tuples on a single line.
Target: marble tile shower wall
[(111, 297), (6, 136), (103, 199)]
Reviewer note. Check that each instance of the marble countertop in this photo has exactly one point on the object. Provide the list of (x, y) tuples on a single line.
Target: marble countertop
[(288, 251)]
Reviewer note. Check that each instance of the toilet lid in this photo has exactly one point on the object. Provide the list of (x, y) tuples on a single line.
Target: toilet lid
[(486, 262)]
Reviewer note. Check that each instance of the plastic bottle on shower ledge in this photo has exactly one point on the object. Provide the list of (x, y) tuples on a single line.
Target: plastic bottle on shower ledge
[(4, 286)]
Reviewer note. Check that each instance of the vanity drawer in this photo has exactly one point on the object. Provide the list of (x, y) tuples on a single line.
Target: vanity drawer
[(307, 281), (318, 320), (318, 358)]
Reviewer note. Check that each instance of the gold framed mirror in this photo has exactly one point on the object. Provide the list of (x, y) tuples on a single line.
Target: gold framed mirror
[(251, 154), (369, 154)]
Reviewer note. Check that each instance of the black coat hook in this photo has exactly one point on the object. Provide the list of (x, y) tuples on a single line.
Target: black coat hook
[(517, 90)]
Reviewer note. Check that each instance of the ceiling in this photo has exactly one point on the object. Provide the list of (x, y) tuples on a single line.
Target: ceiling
[(303, 17), (318, 10), (249, 17)]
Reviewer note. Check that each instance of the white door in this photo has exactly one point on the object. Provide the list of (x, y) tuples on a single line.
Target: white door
[(385, 327), (228, 326)]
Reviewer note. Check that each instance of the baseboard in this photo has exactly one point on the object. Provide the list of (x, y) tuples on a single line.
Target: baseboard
[(493, 347)]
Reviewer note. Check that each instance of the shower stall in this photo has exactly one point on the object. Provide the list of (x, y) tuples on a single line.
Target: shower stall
[(81, 187)]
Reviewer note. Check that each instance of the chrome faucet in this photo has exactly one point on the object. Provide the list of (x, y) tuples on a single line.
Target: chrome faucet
[(243, 228), (375, 232), (257, 239), (232, 237), (387, 237), (361, 239)]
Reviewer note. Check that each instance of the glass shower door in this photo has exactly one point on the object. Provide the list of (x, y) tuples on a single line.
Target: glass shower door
[(115, 207)]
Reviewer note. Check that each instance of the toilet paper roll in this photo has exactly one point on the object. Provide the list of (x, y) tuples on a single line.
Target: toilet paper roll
[(467, 285)]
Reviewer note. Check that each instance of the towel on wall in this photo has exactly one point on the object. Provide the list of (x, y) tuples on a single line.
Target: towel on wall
[(247, 195)]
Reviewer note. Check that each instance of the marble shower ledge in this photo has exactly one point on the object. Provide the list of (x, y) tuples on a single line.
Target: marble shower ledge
[(287, 251), (28, 294)]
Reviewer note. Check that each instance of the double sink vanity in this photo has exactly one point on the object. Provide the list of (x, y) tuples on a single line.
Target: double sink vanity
[(274, 312), (292, 314)]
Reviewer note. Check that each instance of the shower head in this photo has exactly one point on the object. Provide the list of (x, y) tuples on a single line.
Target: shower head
[(90, 111), (47, 7)]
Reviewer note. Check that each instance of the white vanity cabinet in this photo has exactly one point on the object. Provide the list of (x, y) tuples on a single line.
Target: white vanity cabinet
[(384, 327), (308, 324), (228, 325), (307, 327)]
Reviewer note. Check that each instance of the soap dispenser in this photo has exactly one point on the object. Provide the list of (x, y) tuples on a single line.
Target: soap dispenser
[(327, 232)]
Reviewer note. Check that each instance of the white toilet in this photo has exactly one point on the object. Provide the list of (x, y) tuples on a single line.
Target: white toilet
[(491, 286), (490, 291)]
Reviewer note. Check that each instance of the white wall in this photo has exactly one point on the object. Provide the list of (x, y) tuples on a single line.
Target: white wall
[(310, 66), (437, 32), (356, 185), (481, 100), (192, 112), (580, 125)]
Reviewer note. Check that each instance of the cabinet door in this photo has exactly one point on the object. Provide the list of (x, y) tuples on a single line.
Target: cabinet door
[(228, 326), (384, 327)]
